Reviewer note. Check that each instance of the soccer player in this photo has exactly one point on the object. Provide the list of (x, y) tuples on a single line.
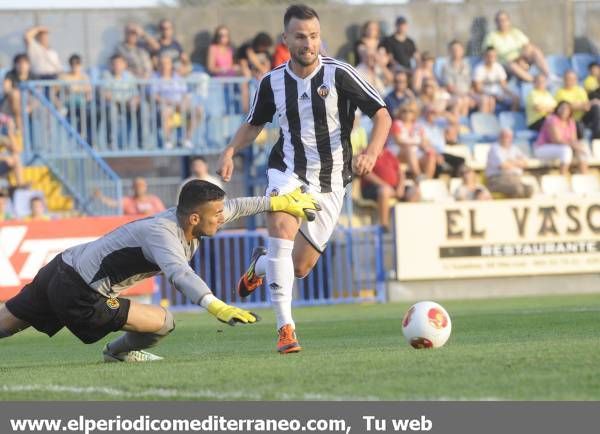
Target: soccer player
[(79, 289), (314, 99)]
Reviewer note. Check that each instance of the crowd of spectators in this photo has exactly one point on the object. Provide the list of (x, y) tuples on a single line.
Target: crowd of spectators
[(430, 104)]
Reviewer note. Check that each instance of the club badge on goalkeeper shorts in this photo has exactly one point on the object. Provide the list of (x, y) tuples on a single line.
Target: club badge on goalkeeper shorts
[(112, 303)]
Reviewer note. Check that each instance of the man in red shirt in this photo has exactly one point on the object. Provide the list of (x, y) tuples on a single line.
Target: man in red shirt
[(385, 182), (141, 202)]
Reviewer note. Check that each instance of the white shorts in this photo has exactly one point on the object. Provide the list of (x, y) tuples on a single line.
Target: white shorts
[(317, 232)]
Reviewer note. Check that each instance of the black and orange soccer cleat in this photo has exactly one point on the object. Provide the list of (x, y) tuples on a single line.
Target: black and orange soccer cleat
[(288, 343), (250, 280)]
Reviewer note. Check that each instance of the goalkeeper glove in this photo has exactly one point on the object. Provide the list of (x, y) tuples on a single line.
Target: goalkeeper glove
[(230, 314), (297, 203)]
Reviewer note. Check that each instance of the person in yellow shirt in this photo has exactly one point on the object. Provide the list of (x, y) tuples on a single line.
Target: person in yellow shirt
[(514, 49), (591, 83), (585, 112), (539, 103)]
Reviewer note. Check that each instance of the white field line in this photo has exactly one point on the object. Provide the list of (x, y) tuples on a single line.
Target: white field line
[(161, 393)]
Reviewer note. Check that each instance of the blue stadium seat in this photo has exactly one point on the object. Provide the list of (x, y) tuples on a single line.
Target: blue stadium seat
[(485, 126), (558, 64), (516, 122), (524, 91), (438, 67), (580, 62), (215, 102), (473, 61)]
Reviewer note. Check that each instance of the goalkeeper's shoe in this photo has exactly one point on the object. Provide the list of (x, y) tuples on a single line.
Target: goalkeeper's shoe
[(131, 356), (250, 280), (288, 343)]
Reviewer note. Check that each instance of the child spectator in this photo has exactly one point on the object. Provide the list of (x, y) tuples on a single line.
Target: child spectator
[(38, 210), (77, 95)]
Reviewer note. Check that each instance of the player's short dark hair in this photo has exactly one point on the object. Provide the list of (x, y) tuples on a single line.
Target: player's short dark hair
[(301, 12), (195, 193)]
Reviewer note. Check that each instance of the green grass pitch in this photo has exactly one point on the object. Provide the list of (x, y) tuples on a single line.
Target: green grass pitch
[(520, 348)]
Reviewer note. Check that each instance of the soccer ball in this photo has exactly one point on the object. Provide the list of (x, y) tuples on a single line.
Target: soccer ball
[(426, 325)]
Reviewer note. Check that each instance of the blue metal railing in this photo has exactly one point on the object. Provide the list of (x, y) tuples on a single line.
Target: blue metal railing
[(49, 138), (350, 270), (152, 117)]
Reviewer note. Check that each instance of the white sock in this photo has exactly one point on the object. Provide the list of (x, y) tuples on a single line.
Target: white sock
[(260, 268), (279, 269)]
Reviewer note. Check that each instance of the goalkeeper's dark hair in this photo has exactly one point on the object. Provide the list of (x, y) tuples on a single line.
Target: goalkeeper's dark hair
[(195, 193)]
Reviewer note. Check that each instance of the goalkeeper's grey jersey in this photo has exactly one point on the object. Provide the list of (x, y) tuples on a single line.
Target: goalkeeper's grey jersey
[(146, 247)]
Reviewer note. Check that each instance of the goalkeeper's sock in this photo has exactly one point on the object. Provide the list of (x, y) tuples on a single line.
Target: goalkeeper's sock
[(133, 341), (280, 279)]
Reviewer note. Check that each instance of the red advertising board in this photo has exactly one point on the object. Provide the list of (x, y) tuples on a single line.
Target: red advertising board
[(25, 247)]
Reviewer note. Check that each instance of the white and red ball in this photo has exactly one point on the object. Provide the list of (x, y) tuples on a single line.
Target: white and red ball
[(426, 325)]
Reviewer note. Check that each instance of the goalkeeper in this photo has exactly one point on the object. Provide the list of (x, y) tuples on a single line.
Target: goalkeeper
[(79, 289)]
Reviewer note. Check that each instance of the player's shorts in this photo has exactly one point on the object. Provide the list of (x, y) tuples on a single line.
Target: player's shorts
[(317, 232), (58, 297)]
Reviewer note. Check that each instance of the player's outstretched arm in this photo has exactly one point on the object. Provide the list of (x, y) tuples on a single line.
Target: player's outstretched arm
[(363, 163), (244, 136), (297, 203)]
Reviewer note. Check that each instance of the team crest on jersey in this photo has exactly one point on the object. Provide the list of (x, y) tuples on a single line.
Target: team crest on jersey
[(112, 303), (274, 192), (323, 91)]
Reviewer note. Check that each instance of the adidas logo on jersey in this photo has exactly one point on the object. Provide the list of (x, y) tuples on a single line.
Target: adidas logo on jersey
[(304, 97)]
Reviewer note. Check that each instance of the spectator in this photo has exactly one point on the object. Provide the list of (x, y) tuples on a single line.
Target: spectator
[(471, 188), (281, 53), (558, 140), (45, 63), (514, 49), (585, 112), (400, 94), (377, 76), (219, 61), (10, 160), (409, 143), (435, 127), (136, 56), (255, 57), (370, 39), (139, 203), (175, 106), (505, 164), (490, 79), (121, 94), (423, 72), (385, 182), (438, 98), (5, 207), (77, 94), (591, 84), (21, 72), (166, 44), (38, 210), (199, 170), (539, 104), (456, 77), (402, 49)]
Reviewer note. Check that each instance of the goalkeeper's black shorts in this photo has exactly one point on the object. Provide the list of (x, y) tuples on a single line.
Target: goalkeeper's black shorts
[(58, 297)]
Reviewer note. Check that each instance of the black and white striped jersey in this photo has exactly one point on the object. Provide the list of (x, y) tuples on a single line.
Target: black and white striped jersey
[(315, 115)]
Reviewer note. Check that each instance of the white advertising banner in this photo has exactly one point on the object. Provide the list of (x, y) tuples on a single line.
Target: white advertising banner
[(497, 238)]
